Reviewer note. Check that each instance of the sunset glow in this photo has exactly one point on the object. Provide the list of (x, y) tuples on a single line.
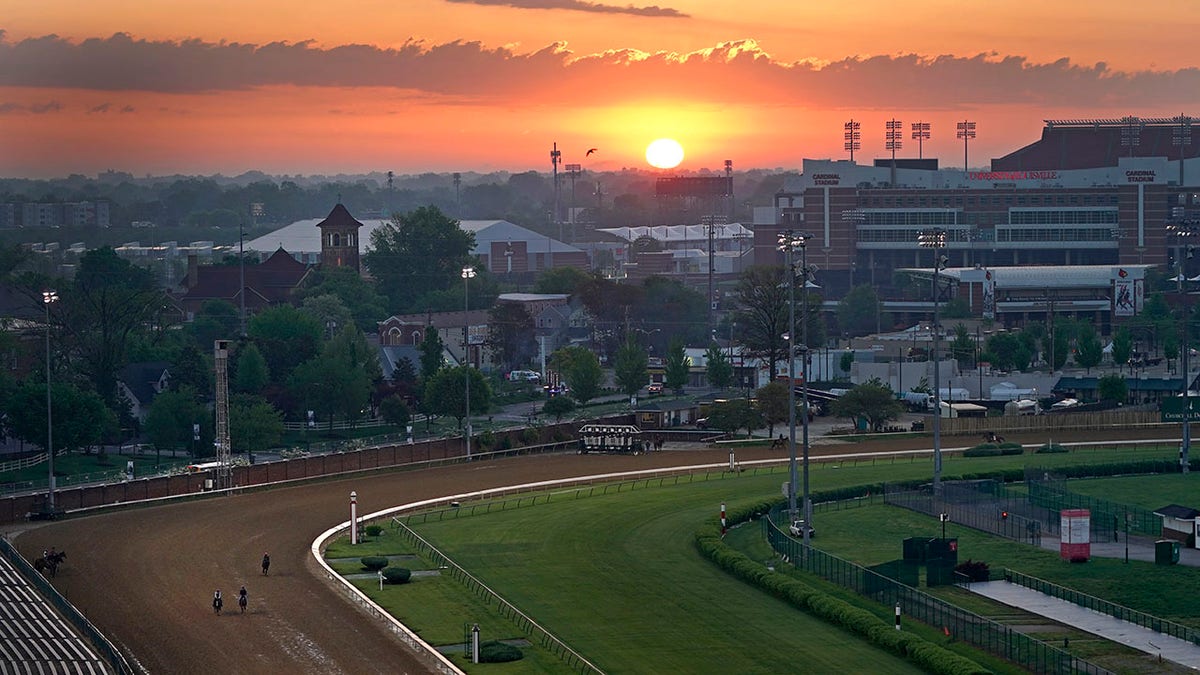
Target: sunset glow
[(445, 85), (664, 153)]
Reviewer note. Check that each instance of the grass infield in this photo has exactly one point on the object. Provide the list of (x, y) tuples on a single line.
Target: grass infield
[(617, 578)]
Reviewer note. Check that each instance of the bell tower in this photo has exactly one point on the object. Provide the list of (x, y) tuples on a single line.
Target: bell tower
[(339, 239)]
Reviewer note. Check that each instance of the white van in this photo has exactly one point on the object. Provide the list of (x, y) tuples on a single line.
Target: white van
[(524, 376)]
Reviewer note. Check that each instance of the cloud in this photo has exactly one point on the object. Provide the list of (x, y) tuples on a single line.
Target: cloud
[(580, 6), (102, 108), (470, 73)]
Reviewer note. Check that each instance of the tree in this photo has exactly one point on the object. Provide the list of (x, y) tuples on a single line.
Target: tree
[(252, 375), (560, 280), (581, 370), (719, 368), (1089, 351), (846, 362), (329, 311), (359, 296), (773, 401), (286, 337), (1112, 387), (339, 381), (445, 392), (630, 368), (858, 312), (109, 300), (963, 346), (510, 334), (431, 353), (729, 416), (216, 320), (678, 367), (763, 316), (80, 418), (169, 423), (1122, 346), (254, 424), (558, 407), (395, 411), (872, 401), (418, 253), (193, 371)]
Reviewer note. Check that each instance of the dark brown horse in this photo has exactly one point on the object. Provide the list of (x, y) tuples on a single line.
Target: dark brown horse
[(50, 563)]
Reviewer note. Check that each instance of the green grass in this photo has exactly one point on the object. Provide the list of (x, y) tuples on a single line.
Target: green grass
[(83, 466), (616, 578), (1150, 492)]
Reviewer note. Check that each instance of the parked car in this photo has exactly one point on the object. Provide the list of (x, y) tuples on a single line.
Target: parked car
[(524, 376), (797, 529), (654, 388)]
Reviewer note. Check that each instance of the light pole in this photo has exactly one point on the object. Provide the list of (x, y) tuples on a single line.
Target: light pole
[(49, 297), (789, 242), (936, 240), (468, 273), (1183, 229)]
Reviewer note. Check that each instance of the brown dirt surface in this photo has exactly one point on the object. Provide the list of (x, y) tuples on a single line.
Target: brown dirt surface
[(145, 575)]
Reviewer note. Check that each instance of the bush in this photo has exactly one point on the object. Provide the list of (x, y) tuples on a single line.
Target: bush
[(983, 450), (1012, 449), (397, 575), (975, 570), (374, 530), (529, 436), (374, 563), (486, 440), (1050, 448), (504, 443), (495, 651)]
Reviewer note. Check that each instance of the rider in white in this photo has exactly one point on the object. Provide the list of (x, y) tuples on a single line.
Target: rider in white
[(217, 601)]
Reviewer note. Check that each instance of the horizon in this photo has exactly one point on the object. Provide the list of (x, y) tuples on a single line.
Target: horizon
[(221, 87)]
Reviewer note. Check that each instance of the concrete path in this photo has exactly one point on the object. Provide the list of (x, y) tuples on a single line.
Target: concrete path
[(1143, 639)]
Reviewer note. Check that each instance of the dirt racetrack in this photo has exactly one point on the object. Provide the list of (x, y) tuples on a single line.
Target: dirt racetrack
[(145, 576)]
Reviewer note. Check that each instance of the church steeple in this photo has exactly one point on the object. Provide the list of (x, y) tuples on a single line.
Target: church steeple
[(339, 239)]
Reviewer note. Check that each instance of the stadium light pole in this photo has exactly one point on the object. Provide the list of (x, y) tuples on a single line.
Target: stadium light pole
[(853, 136), (468, 273), (920, 134), (49, 297), (789, 243), (966, 131), (894, 133), (1181, 136), (936, 239), (1183, 229)]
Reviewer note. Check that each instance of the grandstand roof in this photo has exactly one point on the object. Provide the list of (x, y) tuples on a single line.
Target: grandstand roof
[(304, 236), (1096, 143)]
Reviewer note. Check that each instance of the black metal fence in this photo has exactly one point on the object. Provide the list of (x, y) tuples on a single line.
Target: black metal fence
[(979, 631), (105, 649), (1106, 516)]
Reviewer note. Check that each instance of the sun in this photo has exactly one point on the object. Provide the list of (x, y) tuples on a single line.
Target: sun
[(664, 153)]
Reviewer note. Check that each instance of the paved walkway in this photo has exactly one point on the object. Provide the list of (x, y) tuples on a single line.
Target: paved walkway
[(1143, 639)]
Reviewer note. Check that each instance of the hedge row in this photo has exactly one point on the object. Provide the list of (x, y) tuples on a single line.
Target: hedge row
[(994, 450), (919, 651)]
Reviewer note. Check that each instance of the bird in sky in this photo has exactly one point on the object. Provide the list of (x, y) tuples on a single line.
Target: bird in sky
[(590, 151)]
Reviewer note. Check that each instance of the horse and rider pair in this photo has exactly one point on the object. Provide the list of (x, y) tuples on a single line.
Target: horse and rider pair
[(49, 561), (218, 602)]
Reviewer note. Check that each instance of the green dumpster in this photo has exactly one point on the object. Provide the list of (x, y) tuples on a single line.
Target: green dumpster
[(1166, 552)]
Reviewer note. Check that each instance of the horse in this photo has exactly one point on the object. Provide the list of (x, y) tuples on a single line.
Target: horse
[(50, 563), (242, 602)]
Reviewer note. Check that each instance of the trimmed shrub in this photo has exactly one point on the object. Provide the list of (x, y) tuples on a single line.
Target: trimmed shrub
[(983, 450), (1050, 448), (374, 563), (397, 575), (529, 436), (374, 530), (495, 651), (1012, 449)]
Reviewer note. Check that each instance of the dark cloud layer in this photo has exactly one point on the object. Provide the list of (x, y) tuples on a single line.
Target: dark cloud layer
[(471, 72), (579, 6), (10, 108)]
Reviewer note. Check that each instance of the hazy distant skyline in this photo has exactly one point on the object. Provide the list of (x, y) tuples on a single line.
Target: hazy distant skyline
[(226, 86)]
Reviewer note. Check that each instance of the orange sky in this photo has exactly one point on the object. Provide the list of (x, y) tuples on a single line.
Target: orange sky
[(476, 85)]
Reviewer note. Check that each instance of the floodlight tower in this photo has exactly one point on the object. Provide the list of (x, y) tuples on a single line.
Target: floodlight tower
[(966, 131), (1182, 229), (1131, 132), (936, 240), (1181, 137), (468, 273), (789, 243), (221, 402), (894, 135), (573, 170), (48, 298), (555, 160), (920, 134), (853, 136)]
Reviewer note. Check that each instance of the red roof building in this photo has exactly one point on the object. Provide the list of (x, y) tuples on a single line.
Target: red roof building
[(272, 282)]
